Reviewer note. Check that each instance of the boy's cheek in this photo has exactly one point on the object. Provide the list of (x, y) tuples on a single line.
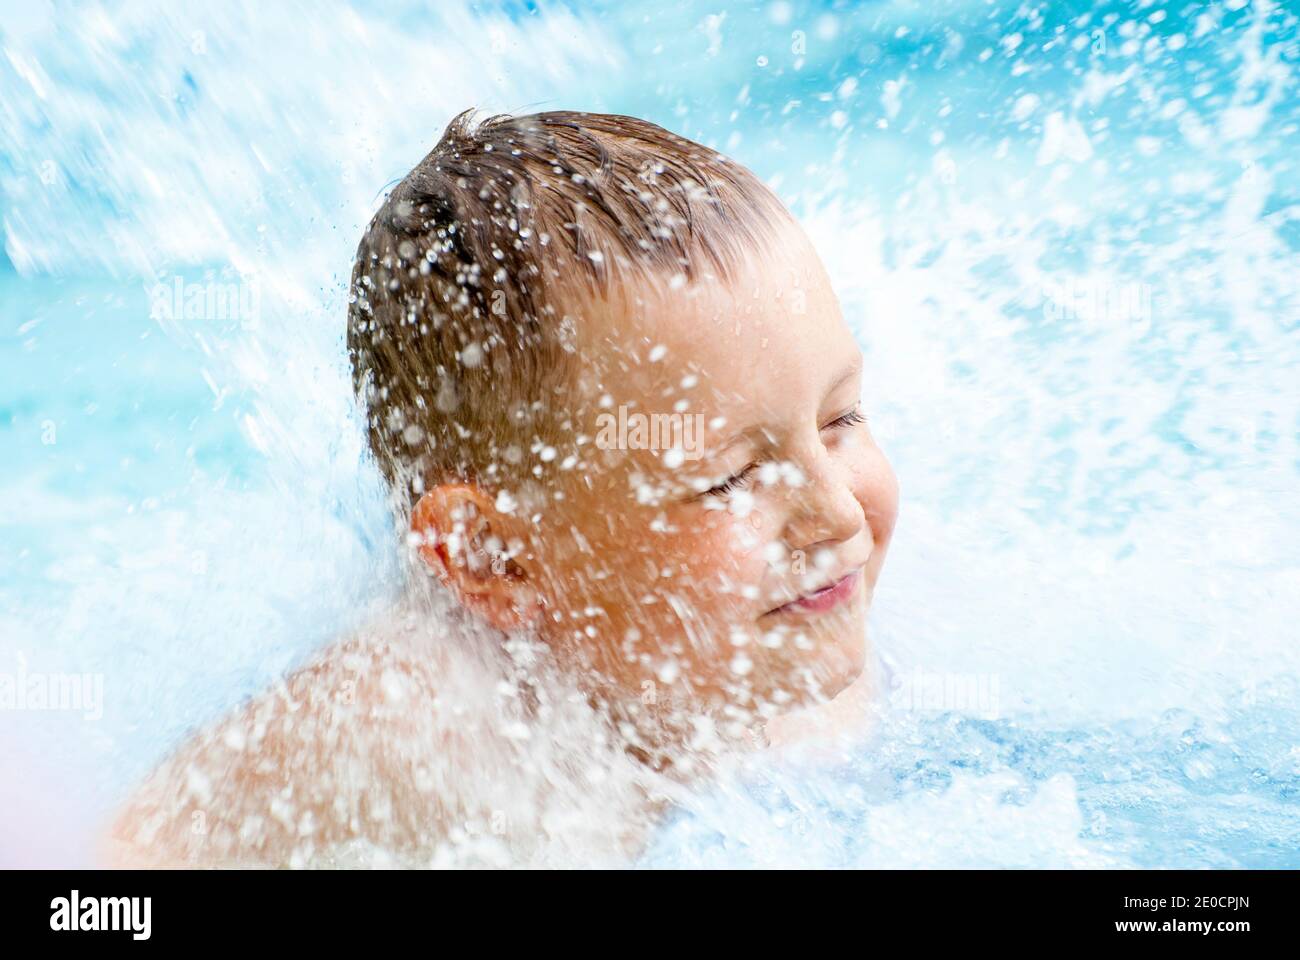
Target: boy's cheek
[(880, 499), (622, 553), (724, 549)]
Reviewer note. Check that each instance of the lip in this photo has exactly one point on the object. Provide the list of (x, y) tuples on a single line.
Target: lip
[(827, 598)]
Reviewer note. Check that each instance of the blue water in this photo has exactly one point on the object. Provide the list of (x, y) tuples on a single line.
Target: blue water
[(1068, 246), (955, 791)]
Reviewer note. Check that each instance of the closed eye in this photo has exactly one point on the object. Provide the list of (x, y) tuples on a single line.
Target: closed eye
[(738, 480), (854, 416), (733, 482)]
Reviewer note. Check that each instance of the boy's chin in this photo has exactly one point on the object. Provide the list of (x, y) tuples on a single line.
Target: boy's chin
[(819, 678), (840, 671), (838, 658)]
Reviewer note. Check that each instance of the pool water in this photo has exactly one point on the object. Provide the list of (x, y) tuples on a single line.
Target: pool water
[(1065, 235)]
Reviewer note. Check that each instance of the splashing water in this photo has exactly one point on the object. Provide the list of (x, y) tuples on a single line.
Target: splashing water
[(1065, 235)]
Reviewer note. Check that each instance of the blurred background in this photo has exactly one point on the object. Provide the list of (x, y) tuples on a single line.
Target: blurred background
[(1066, 235)]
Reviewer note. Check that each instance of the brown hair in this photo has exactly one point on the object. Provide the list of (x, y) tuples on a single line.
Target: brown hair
[(458, 332)]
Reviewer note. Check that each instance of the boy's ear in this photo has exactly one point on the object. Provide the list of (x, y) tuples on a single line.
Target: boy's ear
[(462, 538)]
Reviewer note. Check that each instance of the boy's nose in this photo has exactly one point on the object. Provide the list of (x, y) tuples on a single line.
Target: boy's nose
[(824, 510)]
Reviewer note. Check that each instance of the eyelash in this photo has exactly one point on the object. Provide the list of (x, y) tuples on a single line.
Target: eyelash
[(735, 481), (849, 419)]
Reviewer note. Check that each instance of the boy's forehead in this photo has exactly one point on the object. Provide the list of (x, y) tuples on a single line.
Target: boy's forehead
[(661, 334)]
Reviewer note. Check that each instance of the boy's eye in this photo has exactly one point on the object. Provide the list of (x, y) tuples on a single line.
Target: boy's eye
[(732, 483), (854, 416), (738, 480)]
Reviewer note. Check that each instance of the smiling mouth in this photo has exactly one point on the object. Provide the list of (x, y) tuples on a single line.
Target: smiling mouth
[(827, 598)]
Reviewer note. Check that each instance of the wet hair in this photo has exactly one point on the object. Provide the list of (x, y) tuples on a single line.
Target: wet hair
[(471, 280)]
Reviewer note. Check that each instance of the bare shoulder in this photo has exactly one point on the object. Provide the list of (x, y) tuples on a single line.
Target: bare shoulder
[(330, 756)]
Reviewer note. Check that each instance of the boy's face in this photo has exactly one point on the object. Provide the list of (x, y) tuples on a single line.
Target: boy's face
[(738, 568)]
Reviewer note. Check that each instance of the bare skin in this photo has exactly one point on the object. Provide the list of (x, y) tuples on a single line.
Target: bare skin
[(710, 598), (392, 748)]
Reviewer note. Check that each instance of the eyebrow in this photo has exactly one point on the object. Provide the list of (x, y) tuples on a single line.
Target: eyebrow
[(735, 440), (853, 370)]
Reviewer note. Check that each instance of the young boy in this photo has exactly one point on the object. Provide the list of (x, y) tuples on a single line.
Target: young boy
[(609, 384)]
